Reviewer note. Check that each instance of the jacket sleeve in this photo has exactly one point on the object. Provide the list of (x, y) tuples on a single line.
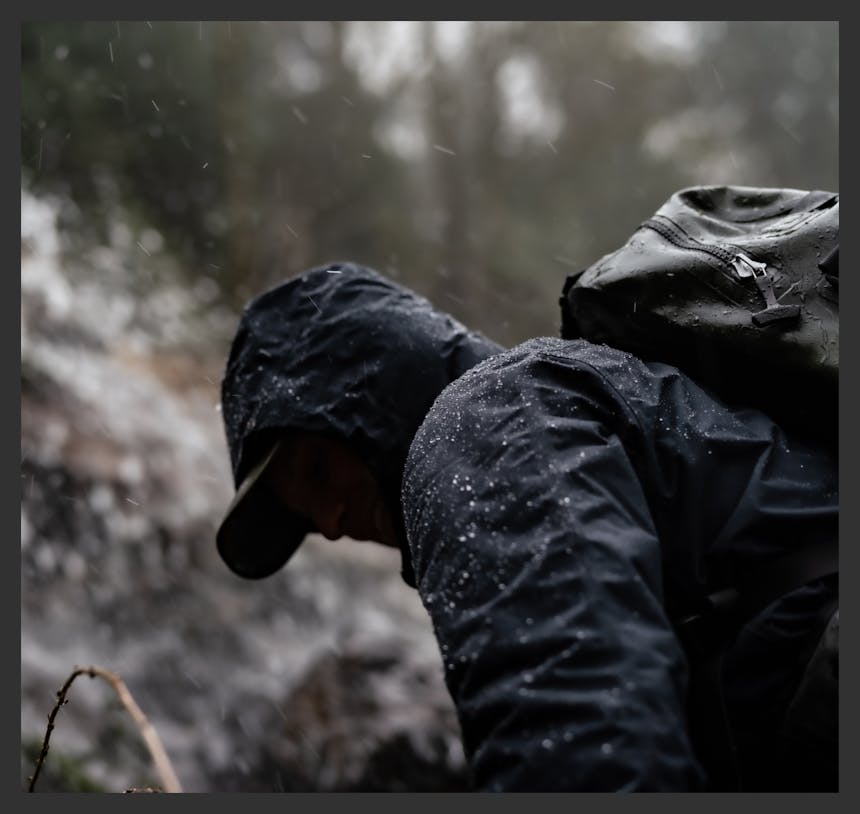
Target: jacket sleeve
[(538, 561)]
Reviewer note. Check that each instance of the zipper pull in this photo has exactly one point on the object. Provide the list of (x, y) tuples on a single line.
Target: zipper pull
[(746, 267)]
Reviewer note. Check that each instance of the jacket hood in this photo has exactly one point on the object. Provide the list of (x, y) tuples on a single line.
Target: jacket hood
[(344, 352)]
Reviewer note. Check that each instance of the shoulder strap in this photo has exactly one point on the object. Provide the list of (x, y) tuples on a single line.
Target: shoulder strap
[(706, 635), (762, 584), (757, 586), (773, 579)]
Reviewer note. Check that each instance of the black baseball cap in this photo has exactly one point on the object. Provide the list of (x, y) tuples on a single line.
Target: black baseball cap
[(258, 535)]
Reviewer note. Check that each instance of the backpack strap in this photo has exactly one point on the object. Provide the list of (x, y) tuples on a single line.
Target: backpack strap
[(757, 586), (706, 636), (767, 582)]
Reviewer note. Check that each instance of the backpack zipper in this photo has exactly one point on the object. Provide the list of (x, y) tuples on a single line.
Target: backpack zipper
[(677, 236), (740, 264), (746, 267)]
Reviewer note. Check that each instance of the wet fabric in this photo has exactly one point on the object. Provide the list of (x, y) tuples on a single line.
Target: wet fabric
[(736, 287), (342, 351), (782, 693), (564, 501)]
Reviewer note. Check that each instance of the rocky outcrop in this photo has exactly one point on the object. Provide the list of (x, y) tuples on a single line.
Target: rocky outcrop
[(323, 677)]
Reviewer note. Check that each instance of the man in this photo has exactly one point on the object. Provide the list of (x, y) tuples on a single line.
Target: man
[(565, 511)]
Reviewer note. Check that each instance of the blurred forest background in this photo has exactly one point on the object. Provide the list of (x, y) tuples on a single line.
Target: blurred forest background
[(478, 162), (171, 170)]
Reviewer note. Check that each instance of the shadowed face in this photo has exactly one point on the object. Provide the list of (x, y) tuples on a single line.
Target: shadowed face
[(324, 481)]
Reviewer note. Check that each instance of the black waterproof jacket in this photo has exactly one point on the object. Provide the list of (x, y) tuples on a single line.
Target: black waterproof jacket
[(563, 500)]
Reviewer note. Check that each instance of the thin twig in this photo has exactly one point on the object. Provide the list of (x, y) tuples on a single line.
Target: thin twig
[(150, 736)]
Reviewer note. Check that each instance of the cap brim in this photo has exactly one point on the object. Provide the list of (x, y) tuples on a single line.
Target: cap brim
[(258, 535)]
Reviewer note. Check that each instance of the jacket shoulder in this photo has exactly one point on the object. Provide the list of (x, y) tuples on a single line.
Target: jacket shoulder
[(575, 367)]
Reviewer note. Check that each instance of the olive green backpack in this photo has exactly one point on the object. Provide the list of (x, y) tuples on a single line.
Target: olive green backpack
[(736, 286)]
